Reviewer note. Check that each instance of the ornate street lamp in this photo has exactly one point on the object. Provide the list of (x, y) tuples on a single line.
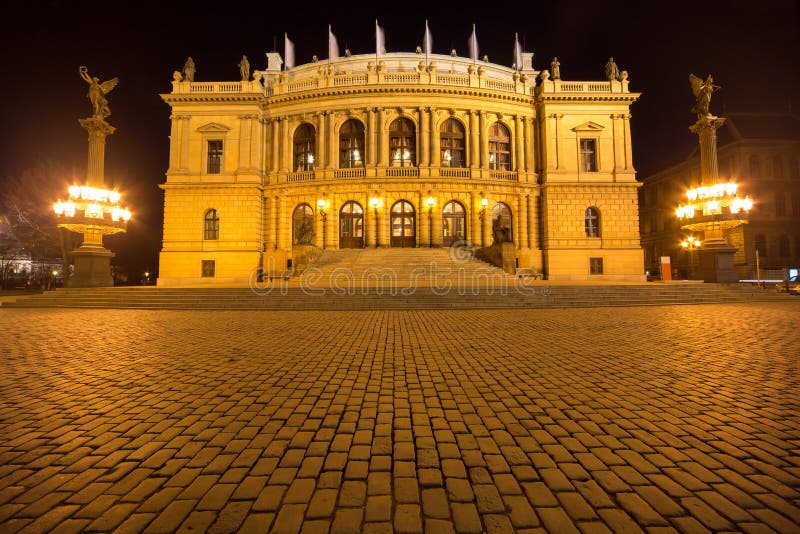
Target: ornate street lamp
[(92, 209), (691, 244), (375, 203), (481, 215), (322, 207), (430, 202)]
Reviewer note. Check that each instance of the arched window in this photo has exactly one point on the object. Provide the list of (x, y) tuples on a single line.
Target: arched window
[(453, 223), (305, 142), (303, 225), (761, 245), (499, 147), (783, 246), (211, 225), (502, 231), (351, 144), (591, 222), (755, 166), (453, 141), (402, 143)]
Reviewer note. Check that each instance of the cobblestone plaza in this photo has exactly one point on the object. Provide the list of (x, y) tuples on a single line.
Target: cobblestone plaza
[(655, 419)]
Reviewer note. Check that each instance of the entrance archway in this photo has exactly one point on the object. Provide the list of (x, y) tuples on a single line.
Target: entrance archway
[(404, 224), (453, 223), (351, 225)]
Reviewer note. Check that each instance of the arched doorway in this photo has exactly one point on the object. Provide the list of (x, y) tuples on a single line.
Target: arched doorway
[(303, 225), (351, 225), (502, 229), (404, 224), (453, 223)]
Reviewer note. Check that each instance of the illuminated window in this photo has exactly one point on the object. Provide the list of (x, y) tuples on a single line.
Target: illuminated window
[(502, 229), (208, 268), (303, 225), (402, 143), (305, 139), (453, 141), (214, 165), (499, 147), (591, 222), (595, 265), (351, 144), (588, 161), (211, 225), (755, 166)]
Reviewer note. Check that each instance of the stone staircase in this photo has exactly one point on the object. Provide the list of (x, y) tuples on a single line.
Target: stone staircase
[(386, 279)]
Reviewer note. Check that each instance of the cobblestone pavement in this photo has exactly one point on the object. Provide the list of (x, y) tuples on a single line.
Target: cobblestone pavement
[(656, 419)]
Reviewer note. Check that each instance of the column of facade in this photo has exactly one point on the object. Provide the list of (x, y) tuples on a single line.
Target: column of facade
[(184, 135), (436, 153), (273, 227), (422, 225), (519, 135), (369, 223), (244, 142), (282, 230), (522, 211), (372, 149), (437, 222), (474, 129), (333, 138), (530, 165), (484, 141), (626, 123), (424, 141), (318, 237), (559, 142), (487, 225), (384, 225), (174, 144), (333, 223), (276, 125), (285, 164), (474, 228), (321, 139), (383, 149)]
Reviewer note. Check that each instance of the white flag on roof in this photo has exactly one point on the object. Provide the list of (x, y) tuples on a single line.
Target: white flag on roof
[(427, 40), (380, 40), (333, 46), (473, 45), (288, 52), (517, 53)]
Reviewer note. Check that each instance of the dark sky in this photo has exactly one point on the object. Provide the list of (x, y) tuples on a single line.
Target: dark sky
[(753, 52)]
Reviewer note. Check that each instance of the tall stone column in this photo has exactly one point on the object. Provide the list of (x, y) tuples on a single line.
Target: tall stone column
[(475, 145), (321, 139), (706, 128), (436, 153), (184, 137), (484, 141), (98, 130), (519, 136), (372, 149), (424, 141), (527, 124), (333, 140), (522, 204), (174, 146), (383, 139), (626, 122), (286, 151), (276, 125)]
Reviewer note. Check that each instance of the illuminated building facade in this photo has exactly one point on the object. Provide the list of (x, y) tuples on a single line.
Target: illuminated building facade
[(399, 150)]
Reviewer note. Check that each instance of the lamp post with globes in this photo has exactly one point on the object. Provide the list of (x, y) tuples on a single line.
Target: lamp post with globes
[(690, 244), (430, 202), (375, 203), (481, 215), (322, 208)]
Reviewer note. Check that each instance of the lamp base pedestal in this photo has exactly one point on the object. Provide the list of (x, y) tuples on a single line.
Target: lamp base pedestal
[(716, 263), (92, 267)]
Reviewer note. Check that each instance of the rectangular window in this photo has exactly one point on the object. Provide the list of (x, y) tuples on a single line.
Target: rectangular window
[(595, 265), (209, 268), (780, 204), (214, 157), (588, 155), (796, 203)]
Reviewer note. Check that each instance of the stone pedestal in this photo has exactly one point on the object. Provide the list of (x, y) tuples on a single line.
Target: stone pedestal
[(92, 267), (716, 264)]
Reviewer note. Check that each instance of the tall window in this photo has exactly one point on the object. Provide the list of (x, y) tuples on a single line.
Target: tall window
[(588, 155), (595, 265), (208, 268), (761, 245), (351, 144), (402, 143), (211, 225), (305, 139), (783, 246), (755, 166), (214, 163), (499, 147), (303, 225), (591, 222), (502, 231), (780, 204), (777, 168), (453, 141)]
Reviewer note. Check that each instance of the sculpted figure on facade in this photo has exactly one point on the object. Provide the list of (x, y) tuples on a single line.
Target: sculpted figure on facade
[(702, 91), (612, 71), (244, 68), (97, 92), (555, 68), (188, 70)]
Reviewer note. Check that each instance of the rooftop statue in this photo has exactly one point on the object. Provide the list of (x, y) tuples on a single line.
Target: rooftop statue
[(702, 91), (244, 68), (97, 92), (612, 71), (189, 70)]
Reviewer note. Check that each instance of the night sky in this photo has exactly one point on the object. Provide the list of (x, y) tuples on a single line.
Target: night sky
[(753, 52)]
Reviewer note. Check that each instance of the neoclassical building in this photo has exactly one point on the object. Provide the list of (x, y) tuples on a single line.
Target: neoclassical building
[(399, 150)]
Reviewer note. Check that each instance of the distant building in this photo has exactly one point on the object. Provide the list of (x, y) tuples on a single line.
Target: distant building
[(393, 151), (760, 152)]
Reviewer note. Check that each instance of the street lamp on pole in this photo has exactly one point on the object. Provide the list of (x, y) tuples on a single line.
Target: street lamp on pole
[(691, 244), (322, 207), (375, 203), (430, 202), (481, 215)]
